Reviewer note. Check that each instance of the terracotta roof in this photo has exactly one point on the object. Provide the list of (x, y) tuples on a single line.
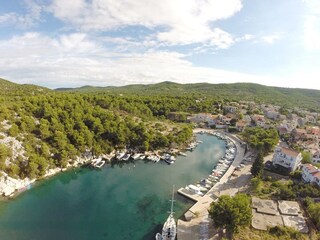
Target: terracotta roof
[(300, 131), (317, 174), (310, 168), (289, 152)]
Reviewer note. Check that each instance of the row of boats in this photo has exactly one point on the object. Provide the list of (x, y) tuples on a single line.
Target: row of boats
[(201, 187)]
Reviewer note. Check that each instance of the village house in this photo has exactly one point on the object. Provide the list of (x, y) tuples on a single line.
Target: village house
[(240, 125), (258, 120), (316, 157), (231, 109), (311, 119), (271, 114), (299, 134), (203, 118), (310, 174), (287, 159)]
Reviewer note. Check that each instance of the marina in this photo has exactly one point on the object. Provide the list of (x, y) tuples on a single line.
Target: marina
[(126, 193)]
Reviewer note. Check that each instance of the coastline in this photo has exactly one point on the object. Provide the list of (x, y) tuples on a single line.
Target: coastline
[(197, 218), (10, 187)]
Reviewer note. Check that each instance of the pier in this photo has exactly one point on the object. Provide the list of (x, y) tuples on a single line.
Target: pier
[(198, 221)]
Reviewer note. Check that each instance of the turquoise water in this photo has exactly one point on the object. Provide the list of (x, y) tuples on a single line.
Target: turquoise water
[(122, 201)]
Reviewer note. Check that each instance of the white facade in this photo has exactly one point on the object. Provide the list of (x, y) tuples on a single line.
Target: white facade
[(272, 115), (316, 157), (287, 158), (310, 174)]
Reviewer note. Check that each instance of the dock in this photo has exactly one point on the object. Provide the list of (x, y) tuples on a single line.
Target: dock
[(192, 196), (197, 219)]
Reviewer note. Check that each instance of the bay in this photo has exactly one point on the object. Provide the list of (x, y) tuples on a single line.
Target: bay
[(123, 201)]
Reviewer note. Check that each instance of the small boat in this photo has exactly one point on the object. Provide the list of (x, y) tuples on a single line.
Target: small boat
[(142, 157), (170, 159), (100, 164), (120, 155), (136, 156), (169, 230), (182, 154), (95, 161), (126, 157)]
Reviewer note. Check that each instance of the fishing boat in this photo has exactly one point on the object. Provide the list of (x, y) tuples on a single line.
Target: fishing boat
[(169, 230)]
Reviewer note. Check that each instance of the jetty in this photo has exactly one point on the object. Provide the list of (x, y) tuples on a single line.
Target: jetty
[(198, 221)]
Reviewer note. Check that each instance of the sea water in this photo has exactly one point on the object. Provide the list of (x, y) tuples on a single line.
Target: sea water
[(127, 200)]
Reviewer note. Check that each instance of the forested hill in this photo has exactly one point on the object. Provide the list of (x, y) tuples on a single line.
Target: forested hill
[(237, 91), (13, 89)]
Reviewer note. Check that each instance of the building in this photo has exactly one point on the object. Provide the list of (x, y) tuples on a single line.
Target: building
[(274, 115), (231, 109), (203, 118), (299, 134), (310, 174), (287, 159), (316, 157), (240, 125), (259, 120)]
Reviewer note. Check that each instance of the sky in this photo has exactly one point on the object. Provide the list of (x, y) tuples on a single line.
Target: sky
[(61, 43)]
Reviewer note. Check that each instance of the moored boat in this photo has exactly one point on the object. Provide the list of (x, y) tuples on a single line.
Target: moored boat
[(169, 230)]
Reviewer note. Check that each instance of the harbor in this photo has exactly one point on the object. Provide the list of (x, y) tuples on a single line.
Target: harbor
[(126, 192), (195, 222)]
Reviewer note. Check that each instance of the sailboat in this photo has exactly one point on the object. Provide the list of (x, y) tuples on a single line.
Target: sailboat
[(169, 230)]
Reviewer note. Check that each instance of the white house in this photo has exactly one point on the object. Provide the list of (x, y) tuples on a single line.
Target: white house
[(231, 109), (272, 114), (286, 158), (310, 174), (203, 117), (316, 157)]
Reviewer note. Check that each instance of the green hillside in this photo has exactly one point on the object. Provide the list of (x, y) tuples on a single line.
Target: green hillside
[(290, 97), (13, 89)]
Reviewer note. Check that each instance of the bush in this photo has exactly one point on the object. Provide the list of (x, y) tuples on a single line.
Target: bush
[(281, 231), (296, 174)]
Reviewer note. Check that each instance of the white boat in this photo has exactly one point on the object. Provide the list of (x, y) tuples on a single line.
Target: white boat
[(142, 157), (170, 159), (194, 189), (136, 156), (169, 230), (100, 164), (95, 161), (120, 155), (126, 157), (182, 154)]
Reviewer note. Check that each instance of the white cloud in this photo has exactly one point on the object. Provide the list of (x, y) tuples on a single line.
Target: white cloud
[(181, 21), (312, 25), (30, 18), (270, 39), (76, 60)]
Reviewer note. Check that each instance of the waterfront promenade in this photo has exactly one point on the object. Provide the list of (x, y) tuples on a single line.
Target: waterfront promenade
[(199, 224)]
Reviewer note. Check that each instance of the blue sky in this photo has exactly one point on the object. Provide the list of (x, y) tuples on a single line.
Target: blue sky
[(58, 43)]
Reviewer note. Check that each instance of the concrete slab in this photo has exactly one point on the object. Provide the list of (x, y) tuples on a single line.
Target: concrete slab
[(265, 206), (262, 221), (297, 222), (291, 208), (200, 228)]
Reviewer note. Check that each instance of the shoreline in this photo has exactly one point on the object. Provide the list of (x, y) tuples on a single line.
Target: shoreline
[(11, 188), (197, 214)]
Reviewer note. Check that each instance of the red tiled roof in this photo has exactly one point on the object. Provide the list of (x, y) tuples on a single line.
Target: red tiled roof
[(289, 152)]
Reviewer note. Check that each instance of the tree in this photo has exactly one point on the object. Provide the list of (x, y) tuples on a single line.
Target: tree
[(314, 210), (231, 212), (306, 157), (14, 130), (257, 166)]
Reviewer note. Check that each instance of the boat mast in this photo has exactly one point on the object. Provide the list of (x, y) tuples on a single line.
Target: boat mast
[(171, 212)]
